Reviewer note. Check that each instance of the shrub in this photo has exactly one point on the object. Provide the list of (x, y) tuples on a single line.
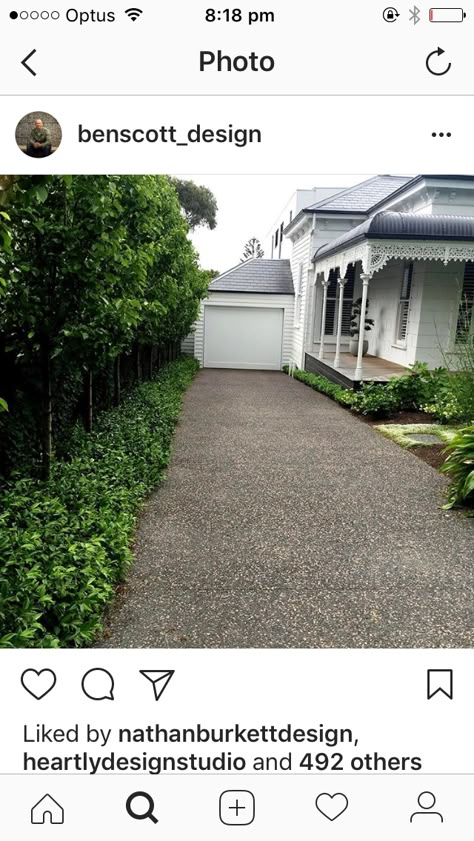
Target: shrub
[(459, 466), (453, 399), (376, 400), (439, 393), (411, 391), (406, 393), (65, 543)]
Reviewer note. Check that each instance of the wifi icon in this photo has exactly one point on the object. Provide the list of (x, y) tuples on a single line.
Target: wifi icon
[(134, 14)]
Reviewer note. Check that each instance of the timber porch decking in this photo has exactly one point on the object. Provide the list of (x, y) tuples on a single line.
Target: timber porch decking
[(374, 369)]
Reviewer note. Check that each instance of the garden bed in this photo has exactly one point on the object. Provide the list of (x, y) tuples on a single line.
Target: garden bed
[(412, 402), (428, 441), (435, 455)]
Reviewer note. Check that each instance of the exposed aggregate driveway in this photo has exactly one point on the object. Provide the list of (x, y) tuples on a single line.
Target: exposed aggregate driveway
[(286, 522)]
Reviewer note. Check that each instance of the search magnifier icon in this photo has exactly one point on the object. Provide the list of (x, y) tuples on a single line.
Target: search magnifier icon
[(137, 811)]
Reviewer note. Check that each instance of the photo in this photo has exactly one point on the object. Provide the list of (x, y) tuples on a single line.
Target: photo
[(38, 134), (236, 411)]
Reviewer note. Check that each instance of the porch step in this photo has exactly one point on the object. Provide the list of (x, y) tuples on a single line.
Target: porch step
[(317, 366)]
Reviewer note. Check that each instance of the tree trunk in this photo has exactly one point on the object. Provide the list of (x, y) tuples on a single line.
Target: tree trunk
[(138, 363), (46, 422), (117, 381), (88, 401), (150, 362)]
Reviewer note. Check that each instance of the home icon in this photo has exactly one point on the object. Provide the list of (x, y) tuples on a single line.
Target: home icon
[(47, 810)]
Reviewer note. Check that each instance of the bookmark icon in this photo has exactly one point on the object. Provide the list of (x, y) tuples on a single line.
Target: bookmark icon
[(159, 679), (440, 681)]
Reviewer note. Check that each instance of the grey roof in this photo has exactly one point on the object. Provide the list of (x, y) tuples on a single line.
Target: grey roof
[(412, 226), (272, 277), (363, 197)]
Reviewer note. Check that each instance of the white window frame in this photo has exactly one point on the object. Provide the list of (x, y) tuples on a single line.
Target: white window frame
[(298, 295), (404, 303)]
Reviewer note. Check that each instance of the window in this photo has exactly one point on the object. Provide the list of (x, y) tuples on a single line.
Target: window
[(332, 303), (404, 305), (282, 228), (465, 324), (298, 295)]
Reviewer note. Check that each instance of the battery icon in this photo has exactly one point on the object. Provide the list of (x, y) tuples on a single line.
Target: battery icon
[(447, 15)]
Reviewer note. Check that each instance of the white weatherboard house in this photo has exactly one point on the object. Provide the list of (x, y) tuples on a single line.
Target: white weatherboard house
[(404, 245)]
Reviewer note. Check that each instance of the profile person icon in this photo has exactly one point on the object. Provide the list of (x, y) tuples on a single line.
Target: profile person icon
[(39, 142), (426, 802), (38, 134)]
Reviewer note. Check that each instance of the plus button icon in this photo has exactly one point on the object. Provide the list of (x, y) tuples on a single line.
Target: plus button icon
[(237, 808)]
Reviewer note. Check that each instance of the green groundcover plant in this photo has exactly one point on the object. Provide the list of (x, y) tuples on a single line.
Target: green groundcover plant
[(405, 435), (65, 543), (459, 467)]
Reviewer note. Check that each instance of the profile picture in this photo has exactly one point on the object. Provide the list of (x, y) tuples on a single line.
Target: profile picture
[(38, 134)]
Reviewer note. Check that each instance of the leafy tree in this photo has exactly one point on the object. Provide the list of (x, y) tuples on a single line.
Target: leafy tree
[(5, 245), (253, 248), (66, 233), (99, 265), (198, 203)]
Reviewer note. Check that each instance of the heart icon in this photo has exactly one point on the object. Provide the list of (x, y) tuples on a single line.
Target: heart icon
[(332, 805), (38, 684)]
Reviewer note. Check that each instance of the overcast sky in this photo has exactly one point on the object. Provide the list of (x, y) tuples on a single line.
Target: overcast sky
[(248, 206)]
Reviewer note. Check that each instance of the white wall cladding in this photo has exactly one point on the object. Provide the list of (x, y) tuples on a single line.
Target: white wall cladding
[(242, 299), (301, 255), (384, 297), (434, 305), (187, 345), (442, 290)]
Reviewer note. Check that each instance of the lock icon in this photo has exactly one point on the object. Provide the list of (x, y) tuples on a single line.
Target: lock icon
[(391, 14)]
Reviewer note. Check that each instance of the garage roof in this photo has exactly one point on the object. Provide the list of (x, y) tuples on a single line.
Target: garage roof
[(272, 277)]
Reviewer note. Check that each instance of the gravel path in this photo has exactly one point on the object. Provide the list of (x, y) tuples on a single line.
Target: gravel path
[(286, 522)]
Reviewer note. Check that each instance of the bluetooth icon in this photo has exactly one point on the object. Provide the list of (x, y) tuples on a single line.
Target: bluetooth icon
[(415, 15)]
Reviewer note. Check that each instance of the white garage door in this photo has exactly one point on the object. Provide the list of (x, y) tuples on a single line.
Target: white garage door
[(243, 337)]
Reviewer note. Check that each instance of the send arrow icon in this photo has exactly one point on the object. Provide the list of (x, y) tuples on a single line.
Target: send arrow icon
[(159, 679)]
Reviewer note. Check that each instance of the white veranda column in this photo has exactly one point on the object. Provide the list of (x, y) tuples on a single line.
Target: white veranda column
[(325, 284), (337, 359), (365, 278)]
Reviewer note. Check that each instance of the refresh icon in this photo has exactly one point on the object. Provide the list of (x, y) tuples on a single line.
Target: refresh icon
[(430, 63)]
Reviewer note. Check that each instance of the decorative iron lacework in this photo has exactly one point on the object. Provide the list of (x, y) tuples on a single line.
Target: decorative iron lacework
[(374, 256)]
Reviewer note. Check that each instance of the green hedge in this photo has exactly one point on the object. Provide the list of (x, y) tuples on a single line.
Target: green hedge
[(65, 543)]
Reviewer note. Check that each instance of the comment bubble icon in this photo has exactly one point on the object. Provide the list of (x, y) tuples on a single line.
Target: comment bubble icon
[(98, 685)]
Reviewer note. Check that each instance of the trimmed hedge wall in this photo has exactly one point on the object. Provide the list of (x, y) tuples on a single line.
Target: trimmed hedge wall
[(65, 543)]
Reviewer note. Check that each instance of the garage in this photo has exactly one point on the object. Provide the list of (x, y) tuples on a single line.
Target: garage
[(243, 337), (246, 321)]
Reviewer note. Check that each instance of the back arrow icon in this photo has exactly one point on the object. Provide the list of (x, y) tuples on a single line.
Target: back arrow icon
[(26, 66), (438, 52)]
